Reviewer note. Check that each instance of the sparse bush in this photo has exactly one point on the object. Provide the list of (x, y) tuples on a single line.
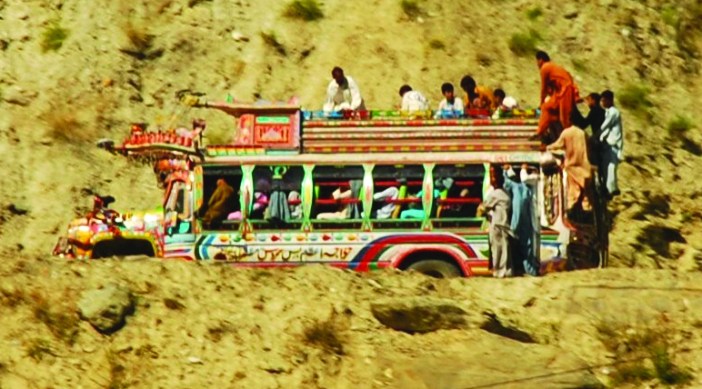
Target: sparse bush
[(63, 124), (670, 16), (325, 335), (534, 13), (524, 43), (411, 8), (64, 325), (437, 44), (635, 97), (37, 349), (271, 39), (53, 38), (140, 41), (680, 125), (308, 10), (579, 64), (642, 355)]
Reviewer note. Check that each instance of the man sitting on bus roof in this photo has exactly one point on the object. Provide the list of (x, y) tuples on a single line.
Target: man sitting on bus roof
[(451, 106), (413, 100), (343, 93)]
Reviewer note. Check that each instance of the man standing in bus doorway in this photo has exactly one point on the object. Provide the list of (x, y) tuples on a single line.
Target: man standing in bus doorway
[(558, 85), (499, 202), (343, 93), (522, 189)]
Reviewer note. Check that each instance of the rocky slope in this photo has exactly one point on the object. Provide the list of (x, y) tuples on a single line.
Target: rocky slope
[(198, 325), (73, 72)]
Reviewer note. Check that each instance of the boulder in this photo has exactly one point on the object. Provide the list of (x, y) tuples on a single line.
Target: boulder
[(107, 308), (419, 314)]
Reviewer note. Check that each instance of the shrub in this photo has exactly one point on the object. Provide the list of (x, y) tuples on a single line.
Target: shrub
[(271, 39), (325, 335), (635, 97), (53, 38), (140, 42), (304, 9), (437, 44), (524, 43), (63, 124), (679, 125), (534, 13), (411, 8)]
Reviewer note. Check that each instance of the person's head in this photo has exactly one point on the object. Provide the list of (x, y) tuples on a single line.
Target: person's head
[(404, 89), (593, 99), (221, 182), (338, 75), (607, 98), (497, 178), (499, 95), (468, 84), (541, 58), (447, 90)]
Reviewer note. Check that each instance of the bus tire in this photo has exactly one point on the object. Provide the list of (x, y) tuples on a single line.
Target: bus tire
[(122, 248), (436, 268)]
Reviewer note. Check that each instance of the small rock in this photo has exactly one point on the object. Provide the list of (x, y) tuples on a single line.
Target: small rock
[(106, 309), (571, 13), (239, 37), (195, 360), (625, 32), (419, 314), (18, 96), (420, 19), (16, 209)]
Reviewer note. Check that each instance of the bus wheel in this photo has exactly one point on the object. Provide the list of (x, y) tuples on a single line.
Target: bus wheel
[(436, 268)]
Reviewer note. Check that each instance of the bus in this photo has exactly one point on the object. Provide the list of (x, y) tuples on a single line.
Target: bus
[(361, 192)]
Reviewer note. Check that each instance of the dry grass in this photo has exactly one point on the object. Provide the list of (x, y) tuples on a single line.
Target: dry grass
[(437, 44), (62, 323), (63, 124), (140, 42), (412, 8), (642, 354), (525, 43), (38, 348), (325, 335), (307, 10)]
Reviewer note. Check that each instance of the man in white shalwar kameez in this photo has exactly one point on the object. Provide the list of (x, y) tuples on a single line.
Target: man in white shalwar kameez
[(343, 93)]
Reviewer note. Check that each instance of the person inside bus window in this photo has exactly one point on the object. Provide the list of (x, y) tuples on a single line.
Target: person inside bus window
[(416, 210), (521, 189), (343, 93), (386, 198), (350, 210), (451, 106), (497, 206), (221, 203), (413, 100), (260, 201), (295, 204)]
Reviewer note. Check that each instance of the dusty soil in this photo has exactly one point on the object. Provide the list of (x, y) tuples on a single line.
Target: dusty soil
[(120, 62), (201, 325)]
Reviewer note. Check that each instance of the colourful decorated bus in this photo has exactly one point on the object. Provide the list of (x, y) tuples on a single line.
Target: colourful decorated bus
[(360, 192)]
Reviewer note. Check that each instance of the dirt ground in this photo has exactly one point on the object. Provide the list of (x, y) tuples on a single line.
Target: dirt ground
[(72, 72), (198, 325)]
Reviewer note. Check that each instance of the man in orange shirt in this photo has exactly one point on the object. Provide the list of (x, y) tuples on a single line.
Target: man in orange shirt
[(558, 85)]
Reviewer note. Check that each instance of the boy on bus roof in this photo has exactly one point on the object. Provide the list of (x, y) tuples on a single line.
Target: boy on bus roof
[(343, 93), (413, 100), (451, 106)]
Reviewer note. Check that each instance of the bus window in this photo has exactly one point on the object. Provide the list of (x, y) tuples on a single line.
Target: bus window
[(277, 203), (336, 197), (220, 212), (460, 192), (396, 200)]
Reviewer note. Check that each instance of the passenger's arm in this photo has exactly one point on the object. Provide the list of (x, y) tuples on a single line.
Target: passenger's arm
[(544, 82), (559, 144)]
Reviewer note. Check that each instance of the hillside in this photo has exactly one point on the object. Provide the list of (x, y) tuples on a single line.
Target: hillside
[(72, 72)]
